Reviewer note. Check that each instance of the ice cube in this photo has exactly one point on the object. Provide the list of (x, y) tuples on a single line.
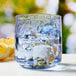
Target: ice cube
[(20, 52), (55, 32), (24, 32), (47, 29), (24, 53), (28, 55), (42, 51)]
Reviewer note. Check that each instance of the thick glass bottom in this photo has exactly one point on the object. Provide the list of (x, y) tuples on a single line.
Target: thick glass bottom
[(29, 64)]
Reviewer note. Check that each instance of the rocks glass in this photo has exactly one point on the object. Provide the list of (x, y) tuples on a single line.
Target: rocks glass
[(38, 40)]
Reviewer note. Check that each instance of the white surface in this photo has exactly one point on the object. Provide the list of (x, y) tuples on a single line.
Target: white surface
[(13, 69)]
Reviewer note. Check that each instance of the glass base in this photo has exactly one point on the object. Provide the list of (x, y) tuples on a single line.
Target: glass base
[(29, 65), (38, 67)]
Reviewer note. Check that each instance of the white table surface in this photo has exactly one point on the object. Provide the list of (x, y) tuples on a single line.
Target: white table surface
[(12, 68)]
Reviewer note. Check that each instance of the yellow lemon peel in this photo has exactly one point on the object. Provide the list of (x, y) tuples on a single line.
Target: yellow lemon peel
[(6, 47), (4, 51)]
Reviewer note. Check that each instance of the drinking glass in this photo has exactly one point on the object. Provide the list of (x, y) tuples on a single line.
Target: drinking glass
[(38, 40)]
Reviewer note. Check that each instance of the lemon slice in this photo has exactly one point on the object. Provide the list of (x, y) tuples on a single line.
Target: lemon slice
[(2, 40), (10, 42), (4, 50), (6, 47)]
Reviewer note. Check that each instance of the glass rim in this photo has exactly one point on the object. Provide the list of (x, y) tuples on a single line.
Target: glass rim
[(44, 15), (39, 14)]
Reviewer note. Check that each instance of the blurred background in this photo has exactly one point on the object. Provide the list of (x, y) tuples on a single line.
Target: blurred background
[(66, 8)]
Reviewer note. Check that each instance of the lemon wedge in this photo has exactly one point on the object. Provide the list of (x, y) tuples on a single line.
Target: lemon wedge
[(4, 50)]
